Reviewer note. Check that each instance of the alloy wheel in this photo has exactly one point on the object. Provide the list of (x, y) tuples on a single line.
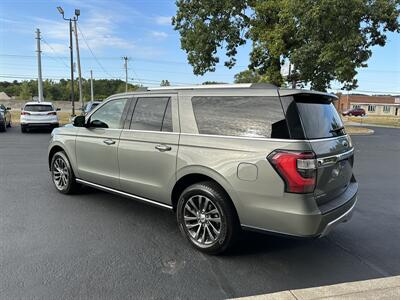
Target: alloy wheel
[(202, 220), (61, 174)]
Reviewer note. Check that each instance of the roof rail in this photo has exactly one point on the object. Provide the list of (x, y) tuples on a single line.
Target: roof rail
[(216, 86)]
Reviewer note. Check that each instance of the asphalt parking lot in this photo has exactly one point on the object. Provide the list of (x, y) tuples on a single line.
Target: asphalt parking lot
[(97, 245)]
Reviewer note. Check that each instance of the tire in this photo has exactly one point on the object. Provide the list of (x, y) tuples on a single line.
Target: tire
[(23, 129), (204, 231), (3, 126), (62, 174)]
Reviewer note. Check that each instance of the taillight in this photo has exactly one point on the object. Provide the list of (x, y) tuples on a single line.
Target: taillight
[(297, 169), (24, 113), (52, 113)]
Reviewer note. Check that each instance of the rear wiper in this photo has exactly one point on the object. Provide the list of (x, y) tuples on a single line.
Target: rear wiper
[(336, 129)]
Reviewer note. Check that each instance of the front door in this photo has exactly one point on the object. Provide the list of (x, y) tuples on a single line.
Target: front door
[(97, 144), (148, 148)]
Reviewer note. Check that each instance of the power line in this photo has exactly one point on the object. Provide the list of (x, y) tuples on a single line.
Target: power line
[(54, 51), (94, 56)]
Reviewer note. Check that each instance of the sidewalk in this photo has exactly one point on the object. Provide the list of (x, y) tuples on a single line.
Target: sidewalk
[(383, 288)]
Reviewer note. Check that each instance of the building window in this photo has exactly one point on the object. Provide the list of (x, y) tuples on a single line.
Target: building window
[(356, 106), (386, 108), (371, 108)]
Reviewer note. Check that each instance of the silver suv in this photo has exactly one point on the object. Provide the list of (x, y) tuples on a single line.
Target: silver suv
[(224, 158)]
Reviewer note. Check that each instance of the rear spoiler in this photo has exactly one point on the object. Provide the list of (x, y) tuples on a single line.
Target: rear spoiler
[(308, 96)]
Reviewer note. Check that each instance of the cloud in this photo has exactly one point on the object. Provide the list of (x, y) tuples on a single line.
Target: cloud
[(163, 20), (55, 48), (159, 34), (98, 30)]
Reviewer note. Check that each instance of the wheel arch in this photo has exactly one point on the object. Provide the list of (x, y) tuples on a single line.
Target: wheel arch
[(188, 178), (55, 147), (53, 150)]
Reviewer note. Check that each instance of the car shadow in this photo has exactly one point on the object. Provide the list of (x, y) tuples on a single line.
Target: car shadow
[(39, 130)]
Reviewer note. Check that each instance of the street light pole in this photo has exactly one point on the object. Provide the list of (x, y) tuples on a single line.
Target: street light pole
[(72, 68), (75, 18)]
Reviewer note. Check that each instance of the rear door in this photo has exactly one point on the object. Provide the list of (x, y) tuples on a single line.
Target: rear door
[(314, 117), (148, 147)]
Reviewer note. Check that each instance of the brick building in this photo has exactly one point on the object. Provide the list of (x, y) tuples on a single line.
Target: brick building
[(373, 105)]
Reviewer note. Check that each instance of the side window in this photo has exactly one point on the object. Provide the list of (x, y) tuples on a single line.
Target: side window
[(248, 116), (167, 122), (110, 114), (149, 114)]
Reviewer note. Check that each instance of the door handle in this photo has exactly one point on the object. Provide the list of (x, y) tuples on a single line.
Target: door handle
[(163, 148), (109, 142)]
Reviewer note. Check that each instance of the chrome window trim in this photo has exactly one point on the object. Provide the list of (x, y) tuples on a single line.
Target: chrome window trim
[(114, 191), (150, 131), (264, 138)]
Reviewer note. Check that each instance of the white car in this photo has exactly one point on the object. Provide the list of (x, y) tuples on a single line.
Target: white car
[(39, 115)]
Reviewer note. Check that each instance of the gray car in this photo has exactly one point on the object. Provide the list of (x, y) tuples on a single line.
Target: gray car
[(5, 118), (223, 158)]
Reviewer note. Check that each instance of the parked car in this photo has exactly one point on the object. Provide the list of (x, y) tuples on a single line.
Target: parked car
[(39, 115), (223, 158), (88, 107), (5, 118), (354, 112)]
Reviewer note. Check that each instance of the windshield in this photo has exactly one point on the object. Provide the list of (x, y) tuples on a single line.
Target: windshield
[(38, 107)]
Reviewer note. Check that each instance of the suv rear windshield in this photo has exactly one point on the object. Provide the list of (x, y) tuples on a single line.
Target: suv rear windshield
[(315, 114), (38, 107)]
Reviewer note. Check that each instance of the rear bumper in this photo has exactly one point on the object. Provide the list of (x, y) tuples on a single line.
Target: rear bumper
[(40, 124), (346, 216), (303, 224)]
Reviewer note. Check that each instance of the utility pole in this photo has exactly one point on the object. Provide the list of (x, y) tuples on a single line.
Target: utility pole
[(91, 86), (79, 62), (294, 83), (125, 58), (39, 60), (75, 18)]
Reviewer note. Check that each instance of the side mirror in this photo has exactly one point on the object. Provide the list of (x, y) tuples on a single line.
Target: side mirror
[(8, 108), (79, 121), (58, 109), (97, 124)]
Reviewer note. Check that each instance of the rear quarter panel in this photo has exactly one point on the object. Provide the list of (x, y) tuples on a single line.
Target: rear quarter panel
[(256, 198)]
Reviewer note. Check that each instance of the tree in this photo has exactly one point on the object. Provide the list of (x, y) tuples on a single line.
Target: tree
[(325, 40), (165, 83), (61, 90), (249, 76), (25, 93)]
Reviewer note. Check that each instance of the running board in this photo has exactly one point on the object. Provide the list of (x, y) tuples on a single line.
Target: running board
[(107, 189)]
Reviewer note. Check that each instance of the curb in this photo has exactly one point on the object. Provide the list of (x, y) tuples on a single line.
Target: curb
[(370, 132), (382, 288)]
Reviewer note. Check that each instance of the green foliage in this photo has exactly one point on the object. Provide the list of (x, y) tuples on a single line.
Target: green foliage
[(326, 40), (165, 83), (25, 91), (61, 90), (250, 76)]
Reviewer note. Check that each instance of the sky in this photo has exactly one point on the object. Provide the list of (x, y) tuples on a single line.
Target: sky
[(142, 31)]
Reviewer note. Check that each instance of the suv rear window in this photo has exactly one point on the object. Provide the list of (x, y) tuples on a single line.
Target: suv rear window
[(38, 107), (312, 117), (246, 116)]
